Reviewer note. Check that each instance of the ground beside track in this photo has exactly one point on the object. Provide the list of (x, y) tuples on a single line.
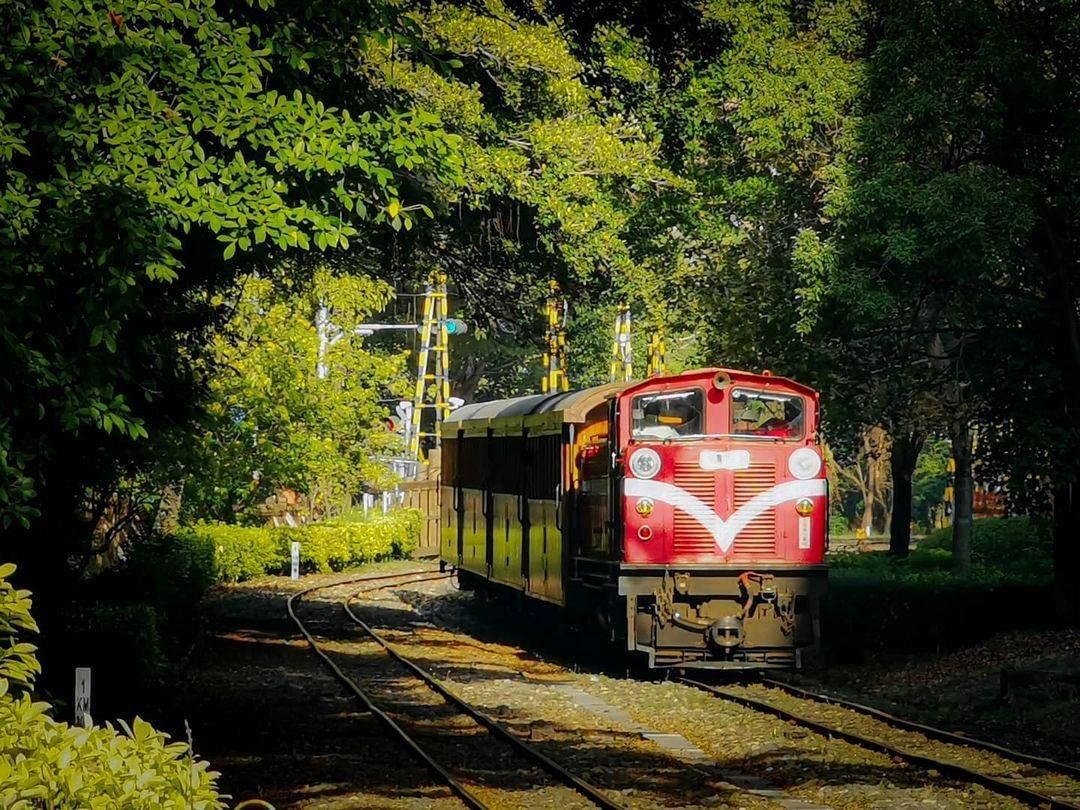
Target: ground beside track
[(267, 715), (959, 690)]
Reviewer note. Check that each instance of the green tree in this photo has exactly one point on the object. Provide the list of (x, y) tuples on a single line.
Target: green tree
[(148, 154), (271, 421), (555, 172), (967, 203)]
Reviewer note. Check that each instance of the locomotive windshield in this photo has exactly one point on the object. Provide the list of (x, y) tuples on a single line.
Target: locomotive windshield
[(668, 414), (765, 413)]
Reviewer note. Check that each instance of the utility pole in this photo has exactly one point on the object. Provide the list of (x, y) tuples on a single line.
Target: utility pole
[(622, 350), (555, 378), (325, 330)]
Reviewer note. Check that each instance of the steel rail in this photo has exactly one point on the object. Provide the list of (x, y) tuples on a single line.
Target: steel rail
[(1045, 763), (992, 783), (586, 789), (469, 798)]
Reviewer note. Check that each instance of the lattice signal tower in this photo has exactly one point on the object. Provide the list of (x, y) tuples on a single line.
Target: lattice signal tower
[(434, 344), (622, 349), (657, 354), (555, 378)]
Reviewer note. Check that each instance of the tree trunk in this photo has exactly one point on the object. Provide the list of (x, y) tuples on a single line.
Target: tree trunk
[(868, 507), (963, 496), (905, 453), (1067, 552), (1066, 540), (167, 518)]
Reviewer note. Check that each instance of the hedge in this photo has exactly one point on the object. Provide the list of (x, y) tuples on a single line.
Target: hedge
[(243, 552), (45, 763), (1017, 544), (877, 603)]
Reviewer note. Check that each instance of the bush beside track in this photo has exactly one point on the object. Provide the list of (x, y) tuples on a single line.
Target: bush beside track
[(877, 604), (134, 623), (46, 763), (240, 552)]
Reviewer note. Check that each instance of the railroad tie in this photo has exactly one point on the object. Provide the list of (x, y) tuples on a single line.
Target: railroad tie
[(682, 749)]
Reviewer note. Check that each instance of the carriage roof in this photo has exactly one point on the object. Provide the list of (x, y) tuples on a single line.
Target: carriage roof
[(548, 412)]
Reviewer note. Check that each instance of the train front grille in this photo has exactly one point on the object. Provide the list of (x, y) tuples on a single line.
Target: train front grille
[(759, 536), (692, 539)]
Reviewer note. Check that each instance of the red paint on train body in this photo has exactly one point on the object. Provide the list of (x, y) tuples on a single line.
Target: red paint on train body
[(688, 513)]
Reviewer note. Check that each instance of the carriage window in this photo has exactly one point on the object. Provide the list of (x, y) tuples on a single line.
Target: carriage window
[(668, 414), (765, 413)]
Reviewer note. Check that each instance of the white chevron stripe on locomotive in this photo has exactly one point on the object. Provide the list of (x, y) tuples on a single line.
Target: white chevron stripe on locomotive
[(723, 531)]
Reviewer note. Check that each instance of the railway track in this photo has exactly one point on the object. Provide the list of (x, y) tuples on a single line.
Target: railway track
[(413, 723), (1033, 780), (1043, 763)]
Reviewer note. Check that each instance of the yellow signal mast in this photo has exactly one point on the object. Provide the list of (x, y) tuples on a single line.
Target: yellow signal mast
[(622, 350), (657, 353), (434, 343), (555, 378)]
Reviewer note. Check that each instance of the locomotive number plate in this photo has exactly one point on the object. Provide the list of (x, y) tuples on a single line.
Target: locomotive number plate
[(804, 532)]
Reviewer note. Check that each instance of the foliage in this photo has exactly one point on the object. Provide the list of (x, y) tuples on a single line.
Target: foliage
[(1004, 543), (963, 211), (929, 480), (554, 172), (124, 642), (240, 552), (245, 552), (18, 665), (48, 763), (271, 421), (877, 602), (929, 611), (1004, 550), (135, 619), (147, 155)]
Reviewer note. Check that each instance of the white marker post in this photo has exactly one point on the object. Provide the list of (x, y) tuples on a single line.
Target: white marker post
[(82, 697), (385, 502), (296, 560)]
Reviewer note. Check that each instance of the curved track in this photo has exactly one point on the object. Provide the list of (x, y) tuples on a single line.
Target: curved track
[(495, 729), (1011, 786)]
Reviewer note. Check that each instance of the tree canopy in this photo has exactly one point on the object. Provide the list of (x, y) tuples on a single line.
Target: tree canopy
[(878, 199)]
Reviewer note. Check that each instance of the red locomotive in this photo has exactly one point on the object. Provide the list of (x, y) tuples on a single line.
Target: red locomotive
[(687, 513)]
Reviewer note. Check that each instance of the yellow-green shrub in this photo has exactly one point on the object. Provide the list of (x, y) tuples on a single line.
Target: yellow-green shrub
[(45, 763), (242, 552)]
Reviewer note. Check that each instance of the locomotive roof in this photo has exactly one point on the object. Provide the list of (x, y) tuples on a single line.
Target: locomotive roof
[(573, 406)]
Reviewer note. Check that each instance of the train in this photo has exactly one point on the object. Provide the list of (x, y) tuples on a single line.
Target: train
[(686, 515)]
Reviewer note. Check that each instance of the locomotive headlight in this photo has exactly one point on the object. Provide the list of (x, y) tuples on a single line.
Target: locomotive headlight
[(644, 507), (804, 463), (804, 506), (645, 463)]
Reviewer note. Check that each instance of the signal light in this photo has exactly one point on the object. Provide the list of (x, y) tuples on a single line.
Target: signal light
[(804, 506), (454, 326)]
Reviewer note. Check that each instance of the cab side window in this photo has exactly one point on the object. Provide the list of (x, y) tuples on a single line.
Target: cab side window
[(767, 413), (668, 414)]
